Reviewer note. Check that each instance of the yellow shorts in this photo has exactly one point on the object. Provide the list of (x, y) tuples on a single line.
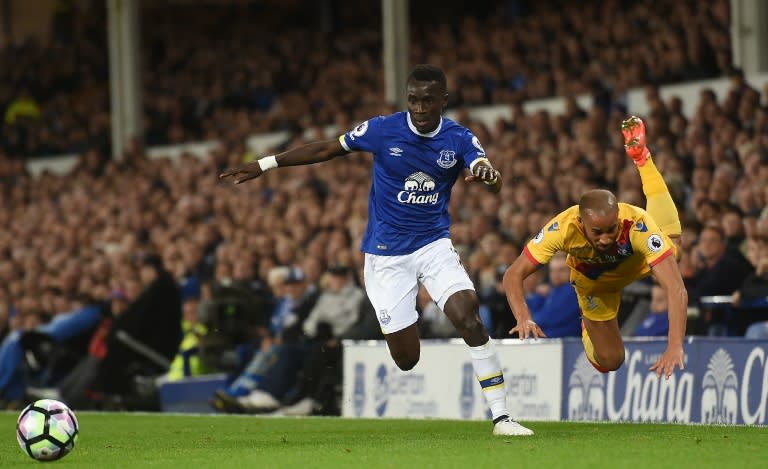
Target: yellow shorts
[(602, 306)]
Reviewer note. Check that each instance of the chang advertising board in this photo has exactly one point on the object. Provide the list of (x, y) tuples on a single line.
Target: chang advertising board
[(443, 384), (724, 381)]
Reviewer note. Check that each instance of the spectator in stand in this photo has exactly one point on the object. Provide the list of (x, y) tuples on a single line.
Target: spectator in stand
[(271, 372), (188, 362), (74, 388), (336, 316), (153, 319), (78, 317), (718, 271), (656, 322), (752, 296), (553, 304)]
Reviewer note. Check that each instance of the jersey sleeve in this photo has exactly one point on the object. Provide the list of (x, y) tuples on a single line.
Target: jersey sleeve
[(547, 242), (364, 137), (650, 241), (472, 150)]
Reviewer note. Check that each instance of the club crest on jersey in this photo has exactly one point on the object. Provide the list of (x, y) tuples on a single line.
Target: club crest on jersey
[(414, 189), (476, 144), (384, 317), (447, 159)]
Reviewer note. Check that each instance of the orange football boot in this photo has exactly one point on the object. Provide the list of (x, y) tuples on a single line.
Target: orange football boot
[(633, 129)]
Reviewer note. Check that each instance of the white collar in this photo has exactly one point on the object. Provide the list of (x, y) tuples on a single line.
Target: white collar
[(430, 134)]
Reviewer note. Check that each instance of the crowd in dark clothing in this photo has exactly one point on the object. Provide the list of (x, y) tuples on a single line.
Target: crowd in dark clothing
[(211, 71)]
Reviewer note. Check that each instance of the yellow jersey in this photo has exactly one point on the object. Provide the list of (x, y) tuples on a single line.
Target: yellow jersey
[(640, 245)]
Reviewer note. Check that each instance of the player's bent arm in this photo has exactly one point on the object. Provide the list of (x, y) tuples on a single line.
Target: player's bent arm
[(513, 287), (668, 275), (315, 152)]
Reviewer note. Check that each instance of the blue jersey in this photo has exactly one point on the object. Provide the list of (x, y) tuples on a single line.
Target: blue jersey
[(412, 178)]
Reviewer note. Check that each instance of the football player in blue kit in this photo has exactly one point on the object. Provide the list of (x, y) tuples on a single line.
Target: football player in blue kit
[(417, 157)]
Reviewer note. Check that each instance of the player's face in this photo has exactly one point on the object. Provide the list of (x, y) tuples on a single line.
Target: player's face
[(426, 100), (600, 230)]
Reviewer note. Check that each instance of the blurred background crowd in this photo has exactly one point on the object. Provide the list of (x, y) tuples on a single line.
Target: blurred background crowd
[(144, 265)]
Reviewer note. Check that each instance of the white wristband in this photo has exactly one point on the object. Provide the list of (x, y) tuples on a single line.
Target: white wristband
[(267, 163)]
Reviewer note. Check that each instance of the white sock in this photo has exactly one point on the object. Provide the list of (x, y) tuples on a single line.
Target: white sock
[(488, 371)]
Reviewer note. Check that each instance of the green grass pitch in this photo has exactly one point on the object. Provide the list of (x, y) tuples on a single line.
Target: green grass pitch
[(117, 440)]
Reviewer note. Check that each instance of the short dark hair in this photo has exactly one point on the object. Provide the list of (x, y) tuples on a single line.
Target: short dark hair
[(426, 72)]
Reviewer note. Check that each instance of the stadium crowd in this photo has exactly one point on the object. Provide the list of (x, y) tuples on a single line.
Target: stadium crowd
[(266, 252), (212, 74)]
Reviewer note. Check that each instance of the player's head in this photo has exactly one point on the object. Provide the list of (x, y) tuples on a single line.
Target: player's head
[(599, 218), (427, 95)]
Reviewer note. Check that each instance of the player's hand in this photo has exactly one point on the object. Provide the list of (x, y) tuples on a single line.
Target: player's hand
[(671, 358), (526, 329), (633, 129), (243, 173), (483, 173)]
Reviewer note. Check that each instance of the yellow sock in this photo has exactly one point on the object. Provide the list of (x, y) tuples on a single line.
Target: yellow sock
[(659, 203)]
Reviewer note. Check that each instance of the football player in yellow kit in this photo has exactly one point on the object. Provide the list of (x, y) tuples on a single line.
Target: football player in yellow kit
[(610, 245)]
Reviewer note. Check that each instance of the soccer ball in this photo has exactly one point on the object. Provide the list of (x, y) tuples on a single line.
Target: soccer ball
[(47, 430)]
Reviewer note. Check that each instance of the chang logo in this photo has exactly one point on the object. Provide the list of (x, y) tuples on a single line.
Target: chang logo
[(413, 189), (381, 391), (586, 392), (719, 390), (358, 394)]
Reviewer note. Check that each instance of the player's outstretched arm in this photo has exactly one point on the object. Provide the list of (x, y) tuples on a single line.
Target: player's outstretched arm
[(484, 172), (314, 152), (513, 287), (668, 275)]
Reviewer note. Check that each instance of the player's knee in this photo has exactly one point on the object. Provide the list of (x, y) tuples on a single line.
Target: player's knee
[(406, 363), (405, 360), (463, 310), (611, 360), (469, 324)]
